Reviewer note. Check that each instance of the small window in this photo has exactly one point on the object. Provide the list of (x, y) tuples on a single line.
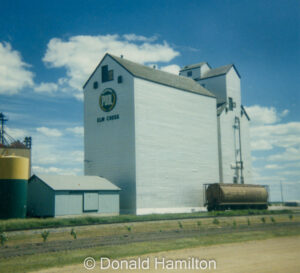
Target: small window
[(104, 70), (231, 104), (190, 73), (107, 75), (120, 79), (95, 85)]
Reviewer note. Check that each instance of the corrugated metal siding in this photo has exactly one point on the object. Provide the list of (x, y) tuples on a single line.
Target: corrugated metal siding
[(109, 146), (68, 203), (233, 89), (246, 149), (108, 203), (227, 145), (229, 136), (176, 146), (90, 201), (40, 199)]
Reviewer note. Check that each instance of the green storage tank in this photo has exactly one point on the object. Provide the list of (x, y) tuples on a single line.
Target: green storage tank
[(14, 174)]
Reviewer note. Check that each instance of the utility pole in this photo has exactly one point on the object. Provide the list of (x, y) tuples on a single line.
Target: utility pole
[(281, 192)]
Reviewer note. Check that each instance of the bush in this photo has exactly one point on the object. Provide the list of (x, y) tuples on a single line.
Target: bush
[(263, 219), (45, 235), (291, 217), (248, 222), (234, 224), (3, 238), (180, 225), (199, 223), (73, 233), (216, 221), (273, 220), (128, 228)]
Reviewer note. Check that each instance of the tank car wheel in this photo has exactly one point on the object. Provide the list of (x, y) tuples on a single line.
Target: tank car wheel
[(210, 208)]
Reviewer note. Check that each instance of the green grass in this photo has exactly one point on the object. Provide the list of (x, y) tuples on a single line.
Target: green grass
[(32, 223), (58, 259), (216, 221)]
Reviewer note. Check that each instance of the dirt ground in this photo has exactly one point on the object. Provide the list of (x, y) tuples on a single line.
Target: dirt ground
[(272, 255)]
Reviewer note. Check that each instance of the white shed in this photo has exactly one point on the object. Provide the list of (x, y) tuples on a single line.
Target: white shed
[(59, 195)]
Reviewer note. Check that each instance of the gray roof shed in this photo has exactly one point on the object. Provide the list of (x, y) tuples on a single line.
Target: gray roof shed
[(80, 183)]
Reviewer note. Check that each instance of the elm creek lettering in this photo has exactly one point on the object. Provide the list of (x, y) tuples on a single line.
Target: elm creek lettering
[(108, 118)]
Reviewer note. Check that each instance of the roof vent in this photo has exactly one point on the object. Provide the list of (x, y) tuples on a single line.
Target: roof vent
[(122, 56), (154, 66)]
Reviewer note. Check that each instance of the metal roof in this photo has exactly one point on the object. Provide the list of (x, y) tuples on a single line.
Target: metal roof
[(162, 77), (158, 76), (218, 72), (76, 183), (193, 66)]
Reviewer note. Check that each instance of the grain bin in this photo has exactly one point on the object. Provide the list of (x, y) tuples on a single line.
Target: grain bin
[(13, 186)]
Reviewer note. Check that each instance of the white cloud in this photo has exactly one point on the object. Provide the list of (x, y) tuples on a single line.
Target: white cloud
[(266, 131), (173, 68), (17, 134), (38, 170), (266, 137), (284, 113), (65, 152), (80, 54), (14, 74), (274, 167), (260, 115), (48, 152), (78, 130), (290, 172), (79, 96), (290, 154), (49, 132), (77, 156), (134, 37), (261, 145), (46, 87), (281, 141)]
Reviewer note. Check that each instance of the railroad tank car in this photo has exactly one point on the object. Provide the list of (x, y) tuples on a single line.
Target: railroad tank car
[(235, 196)]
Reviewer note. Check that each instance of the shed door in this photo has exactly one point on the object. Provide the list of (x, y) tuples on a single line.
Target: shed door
[(90, 201), (109, 203)]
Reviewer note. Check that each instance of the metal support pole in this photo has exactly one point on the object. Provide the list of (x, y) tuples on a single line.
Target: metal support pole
[(281, 192)]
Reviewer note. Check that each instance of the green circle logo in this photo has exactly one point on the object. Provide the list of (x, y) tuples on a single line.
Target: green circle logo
[(107, 100)]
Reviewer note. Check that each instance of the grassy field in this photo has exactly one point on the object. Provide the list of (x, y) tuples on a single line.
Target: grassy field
[(53, 259), (64, 233), (48, 260), (34, 223)]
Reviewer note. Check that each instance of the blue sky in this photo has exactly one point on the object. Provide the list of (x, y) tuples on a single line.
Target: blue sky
[(49, 48)]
